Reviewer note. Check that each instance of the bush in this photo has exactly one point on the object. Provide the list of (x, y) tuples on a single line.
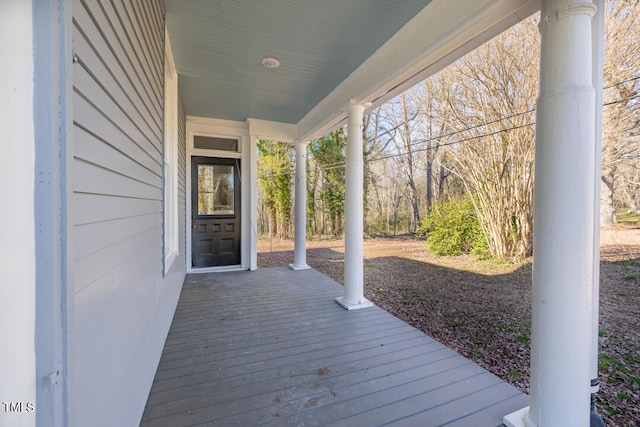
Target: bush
[(453, 228)]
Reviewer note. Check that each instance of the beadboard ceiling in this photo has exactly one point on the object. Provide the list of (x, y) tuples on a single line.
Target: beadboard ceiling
[(218, 45), (329, 52)]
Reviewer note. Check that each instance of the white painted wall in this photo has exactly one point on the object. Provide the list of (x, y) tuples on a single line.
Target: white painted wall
[(17, 241)]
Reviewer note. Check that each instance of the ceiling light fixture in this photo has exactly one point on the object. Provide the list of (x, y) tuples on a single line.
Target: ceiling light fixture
[(270, 63)]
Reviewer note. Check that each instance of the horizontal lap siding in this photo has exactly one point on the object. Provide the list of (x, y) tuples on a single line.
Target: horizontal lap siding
[(122, 304)]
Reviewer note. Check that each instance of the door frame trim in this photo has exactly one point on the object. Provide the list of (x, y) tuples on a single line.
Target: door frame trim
[(235, 163), (222, 129)]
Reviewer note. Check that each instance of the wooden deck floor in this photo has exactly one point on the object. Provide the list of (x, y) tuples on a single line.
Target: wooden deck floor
[(272, 347)]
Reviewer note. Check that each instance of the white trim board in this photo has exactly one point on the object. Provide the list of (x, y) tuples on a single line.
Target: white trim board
[(224, 129)]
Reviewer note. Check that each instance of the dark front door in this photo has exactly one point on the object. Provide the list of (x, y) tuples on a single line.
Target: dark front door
[(215, 208)]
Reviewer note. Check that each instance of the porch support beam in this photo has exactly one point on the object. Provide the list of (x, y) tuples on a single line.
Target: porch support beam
[(564, 215), (354, 210), (300, 250)]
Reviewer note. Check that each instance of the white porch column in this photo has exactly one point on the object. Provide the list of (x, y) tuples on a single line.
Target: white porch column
[(300, 250), (597, 33), (564, 220), (251, 158), (353, 265)]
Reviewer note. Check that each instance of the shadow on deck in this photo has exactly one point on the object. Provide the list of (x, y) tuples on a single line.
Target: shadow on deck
[(272, 347)]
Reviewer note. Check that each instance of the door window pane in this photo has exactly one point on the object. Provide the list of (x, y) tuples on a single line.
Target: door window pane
[(215, 190)]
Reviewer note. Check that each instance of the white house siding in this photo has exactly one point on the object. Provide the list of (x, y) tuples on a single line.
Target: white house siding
[(122, 305)]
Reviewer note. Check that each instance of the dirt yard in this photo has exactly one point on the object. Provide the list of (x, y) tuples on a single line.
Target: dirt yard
[(483, 309)]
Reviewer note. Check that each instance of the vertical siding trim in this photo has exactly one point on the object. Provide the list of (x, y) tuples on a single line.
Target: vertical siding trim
[(171, 135), (182, 179), (52, 126)]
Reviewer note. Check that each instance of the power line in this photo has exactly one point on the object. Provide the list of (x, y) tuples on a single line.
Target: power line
[(472, 128), (622, 82), (337, 165), (477, 136), (621, 100), (452, 142), (522, 113), (342, 163), (488, 123)]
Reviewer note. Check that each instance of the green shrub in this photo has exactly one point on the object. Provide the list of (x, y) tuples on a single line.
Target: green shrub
[(453, 228)]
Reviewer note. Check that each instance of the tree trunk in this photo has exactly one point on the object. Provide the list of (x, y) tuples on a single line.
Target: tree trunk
[(441, 183), (607, 203), (429, 185)]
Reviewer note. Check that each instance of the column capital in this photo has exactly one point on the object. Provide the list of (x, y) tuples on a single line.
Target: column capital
[(354, 104), (571, 8)]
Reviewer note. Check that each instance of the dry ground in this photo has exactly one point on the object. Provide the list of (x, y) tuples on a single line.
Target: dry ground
[(483, 309)]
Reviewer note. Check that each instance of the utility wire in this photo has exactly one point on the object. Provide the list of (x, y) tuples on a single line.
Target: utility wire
[(459, 141), (341, 164), (472, 128), (621, 100), (622, 82), (524, 112), (450, 143), (478, 136)]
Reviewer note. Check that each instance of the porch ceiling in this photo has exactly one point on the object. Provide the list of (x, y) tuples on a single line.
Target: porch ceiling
[(218, 46)]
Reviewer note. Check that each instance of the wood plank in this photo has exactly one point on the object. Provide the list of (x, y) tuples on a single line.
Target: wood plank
[(401, 357), (241, 353)]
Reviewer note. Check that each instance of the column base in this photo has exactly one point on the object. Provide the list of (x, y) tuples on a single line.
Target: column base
[(518, 419), (596, 419), (297, 267), (364, 303)]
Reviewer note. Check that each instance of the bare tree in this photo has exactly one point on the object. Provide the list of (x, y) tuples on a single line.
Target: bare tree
[(621, 112), (488, 99), (402, 114)]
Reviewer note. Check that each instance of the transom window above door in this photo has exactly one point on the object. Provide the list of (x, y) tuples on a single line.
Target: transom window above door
[(213, 143)]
